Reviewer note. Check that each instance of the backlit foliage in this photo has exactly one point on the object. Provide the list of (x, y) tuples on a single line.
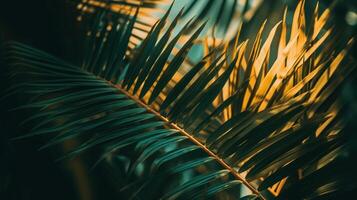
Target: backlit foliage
[(262, 116)]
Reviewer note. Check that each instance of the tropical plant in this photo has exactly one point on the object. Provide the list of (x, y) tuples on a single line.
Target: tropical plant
[(223, 17), (247, 121)]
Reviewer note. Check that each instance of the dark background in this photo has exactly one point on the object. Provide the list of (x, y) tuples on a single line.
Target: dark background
[(27, 173)]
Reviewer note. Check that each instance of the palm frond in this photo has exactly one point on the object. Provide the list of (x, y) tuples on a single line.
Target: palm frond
[(113, 11), (279, 118), (224, 16), (222, 21), (107, 108)]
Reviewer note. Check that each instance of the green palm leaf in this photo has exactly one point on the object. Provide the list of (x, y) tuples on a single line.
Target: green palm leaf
[(141, 103)]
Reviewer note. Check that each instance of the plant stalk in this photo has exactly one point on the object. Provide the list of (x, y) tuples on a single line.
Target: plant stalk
[(192, 139)]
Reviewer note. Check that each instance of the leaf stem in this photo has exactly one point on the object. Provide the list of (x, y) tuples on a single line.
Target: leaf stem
[(192, 139)]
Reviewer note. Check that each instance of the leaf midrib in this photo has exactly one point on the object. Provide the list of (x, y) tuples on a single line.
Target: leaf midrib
[(221, 161)]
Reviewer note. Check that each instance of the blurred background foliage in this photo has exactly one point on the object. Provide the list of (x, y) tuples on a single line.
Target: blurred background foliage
[(53, 26)]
